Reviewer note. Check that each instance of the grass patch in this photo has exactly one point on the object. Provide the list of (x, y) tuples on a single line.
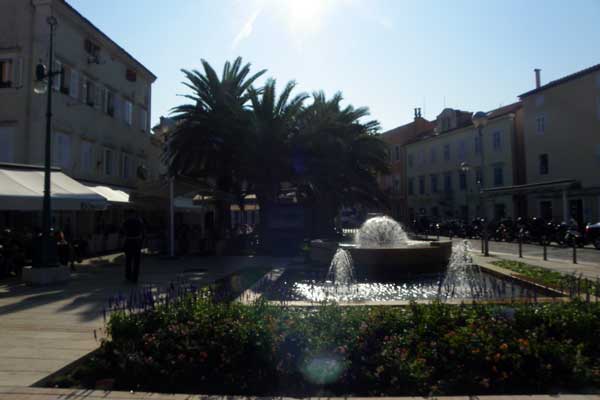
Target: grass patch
[(572, 284)]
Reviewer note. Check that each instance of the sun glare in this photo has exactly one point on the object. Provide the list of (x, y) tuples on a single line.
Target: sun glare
[(305, 15)]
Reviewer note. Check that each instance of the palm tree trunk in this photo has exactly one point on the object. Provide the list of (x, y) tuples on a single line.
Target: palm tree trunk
[(325, 209)]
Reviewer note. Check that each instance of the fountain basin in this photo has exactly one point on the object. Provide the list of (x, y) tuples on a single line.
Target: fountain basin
[(428, 256)]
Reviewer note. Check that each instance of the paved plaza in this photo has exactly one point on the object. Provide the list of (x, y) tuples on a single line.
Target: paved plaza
[(46, 328)]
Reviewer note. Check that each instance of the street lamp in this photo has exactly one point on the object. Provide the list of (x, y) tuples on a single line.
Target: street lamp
[(465, 168), (166, 126), (480, 120), (43, 84)]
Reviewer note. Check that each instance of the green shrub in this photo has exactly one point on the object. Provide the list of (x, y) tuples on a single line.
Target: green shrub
[(198, 346)]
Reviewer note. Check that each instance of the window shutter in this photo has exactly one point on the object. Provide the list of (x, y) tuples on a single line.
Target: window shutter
[(84, 89), (118, 107), (144, 120), (66, 151), (18, 72), (6, 143), (56, 78), (74, 86)]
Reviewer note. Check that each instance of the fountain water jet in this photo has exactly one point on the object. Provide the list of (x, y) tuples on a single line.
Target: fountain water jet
[(381, 232), (341, 269)]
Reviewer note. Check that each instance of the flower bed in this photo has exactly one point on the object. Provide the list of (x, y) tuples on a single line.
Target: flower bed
[(197, 346)]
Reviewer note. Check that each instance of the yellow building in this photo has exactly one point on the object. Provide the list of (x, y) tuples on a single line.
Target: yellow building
[(444, 168), (562, 139)]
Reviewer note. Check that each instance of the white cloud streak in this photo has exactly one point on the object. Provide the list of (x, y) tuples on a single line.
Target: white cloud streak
[(247, 29)]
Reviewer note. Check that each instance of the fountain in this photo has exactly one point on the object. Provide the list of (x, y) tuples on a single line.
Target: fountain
[(382, 249)]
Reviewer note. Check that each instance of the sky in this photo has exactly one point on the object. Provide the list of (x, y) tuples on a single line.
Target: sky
[(389, 55)]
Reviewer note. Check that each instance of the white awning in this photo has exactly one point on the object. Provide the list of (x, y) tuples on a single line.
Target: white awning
[(22, 188), (110, 194)]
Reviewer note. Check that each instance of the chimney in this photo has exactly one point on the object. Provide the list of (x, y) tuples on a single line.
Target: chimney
[(537, 78), (416, 113)]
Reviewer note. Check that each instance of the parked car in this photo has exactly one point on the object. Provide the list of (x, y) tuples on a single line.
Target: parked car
[(592, 234)]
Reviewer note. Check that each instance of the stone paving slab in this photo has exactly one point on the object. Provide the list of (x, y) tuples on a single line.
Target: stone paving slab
[(19, 393)]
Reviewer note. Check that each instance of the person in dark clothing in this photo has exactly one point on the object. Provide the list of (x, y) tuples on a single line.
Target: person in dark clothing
[(133, 230)]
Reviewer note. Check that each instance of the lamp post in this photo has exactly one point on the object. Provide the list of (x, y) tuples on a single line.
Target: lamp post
[(165, 127), (465, 168), (480, 120), (43, 84)]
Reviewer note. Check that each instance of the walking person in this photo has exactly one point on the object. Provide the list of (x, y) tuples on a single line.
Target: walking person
[(133, 230)]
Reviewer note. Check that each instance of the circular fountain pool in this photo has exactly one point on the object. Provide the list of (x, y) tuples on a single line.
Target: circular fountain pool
[(382, 249)]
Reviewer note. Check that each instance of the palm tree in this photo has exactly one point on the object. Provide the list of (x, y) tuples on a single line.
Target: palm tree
[(342, 156), (211, 132), (268, 155)]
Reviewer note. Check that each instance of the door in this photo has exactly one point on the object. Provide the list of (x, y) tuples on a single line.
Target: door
[(576, 211)]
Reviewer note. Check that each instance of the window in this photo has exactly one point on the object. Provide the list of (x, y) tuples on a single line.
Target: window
[(125, 166), (61, 150), (143, 120), (462, 180), (539, 100), (87, 156), (110, 103), (477, 144), (411, 186), (397, 152), (544, 166), (497, 141), (90, 93), (131, 75), (128, 110), (447, 152), (74, 84), (421, 185), (6, 73), (56, 79), (448, 182), (433, 155), (434, 184), (410, 160), (64, 79), (540, 123), (7, 135), (396, 187), (498, 175), (108, 162), (421, 160), (462, 150)]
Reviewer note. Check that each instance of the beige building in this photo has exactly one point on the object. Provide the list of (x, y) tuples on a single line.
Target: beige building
[(101, 101), (562, 139), (437, 186)]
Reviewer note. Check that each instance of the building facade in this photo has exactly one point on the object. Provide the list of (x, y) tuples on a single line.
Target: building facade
[(101, 100), (395, 183), (562, 139), (444, 168)]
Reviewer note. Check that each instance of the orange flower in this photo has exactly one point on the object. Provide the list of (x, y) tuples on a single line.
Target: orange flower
[(504, 347)]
